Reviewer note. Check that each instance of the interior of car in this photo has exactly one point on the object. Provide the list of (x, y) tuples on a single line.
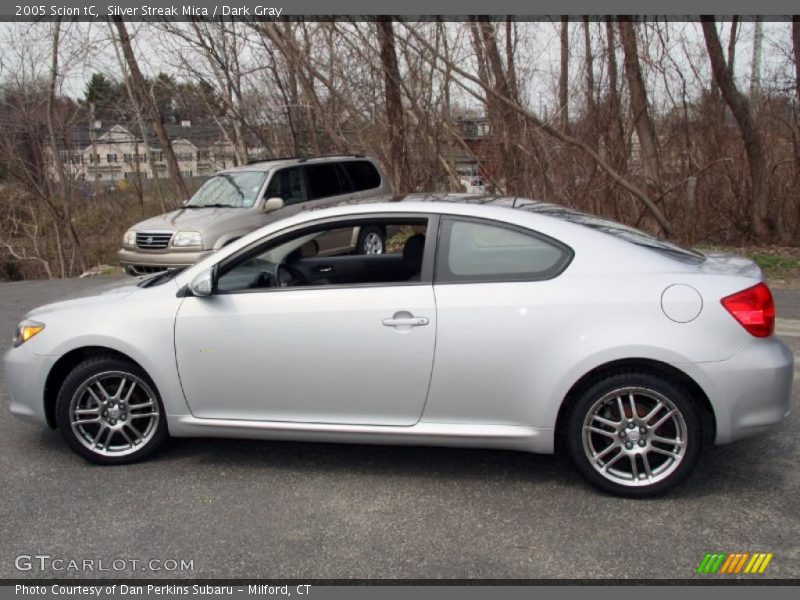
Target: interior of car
[(296, 261)]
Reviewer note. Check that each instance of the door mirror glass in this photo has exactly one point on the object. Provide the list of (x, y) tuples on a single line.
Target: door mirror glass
[(203, 284), (273, 204)]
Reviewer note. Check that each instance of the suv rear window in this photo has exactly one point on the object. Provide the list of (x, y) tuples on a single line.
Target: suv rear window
[(325, 180), (363, 174)]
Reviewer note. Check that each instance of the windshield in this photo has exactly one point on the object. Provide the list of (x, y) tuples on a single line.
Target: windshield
[(619, 230), (235, 190)]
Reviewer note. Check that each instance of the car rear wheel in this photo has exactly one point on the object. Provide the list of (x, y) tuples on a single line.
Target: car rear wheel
[(371, 240), (634, 434), (109, 412)]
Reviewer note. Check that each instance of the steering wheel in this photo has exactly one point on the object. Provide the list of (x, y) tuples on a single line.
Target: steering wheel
[(287, 276)]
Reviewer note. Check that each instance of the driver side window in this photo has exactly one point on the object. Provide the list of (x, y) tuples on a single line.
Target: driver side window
[(287, 184), (333, 255)]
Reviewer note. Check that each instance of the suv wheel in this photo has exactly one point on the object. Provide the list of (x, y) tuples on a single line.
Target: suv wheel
[(371, 240), (109, 412), (634, 434)]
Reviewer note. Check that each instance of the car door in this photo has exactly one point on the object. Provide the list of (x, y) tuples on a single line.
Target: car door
[(360, 354)]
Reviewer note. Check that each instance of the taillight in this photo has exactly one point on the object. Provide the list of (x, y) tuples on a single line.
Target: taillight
[(754, 309)]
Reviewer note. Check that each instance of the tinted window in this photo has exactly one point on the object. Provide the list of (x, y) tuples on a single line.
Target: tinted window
[(363, 174), (325, 180), (479, 251), (288, 185)]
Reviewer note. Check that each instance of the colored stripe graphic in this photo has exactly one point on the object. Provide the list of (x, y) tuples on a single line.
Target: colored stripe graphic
[(734, 563)]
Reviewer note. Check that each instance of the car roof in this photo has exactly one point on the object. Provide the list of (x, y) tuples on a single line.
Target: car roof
[(272, 163)]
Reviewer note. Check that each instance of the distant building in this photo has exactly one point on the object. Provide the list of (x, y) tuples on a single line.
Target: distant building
[(116, 153)]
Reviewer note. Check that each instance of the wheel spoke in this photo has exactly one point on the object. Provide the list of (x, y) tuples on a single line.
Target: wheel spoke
[(94, 396), (601, 431), (607, 450), (118, 393), (647, 471), (85, 421), (657, 450), (632, 403), (102, 390), (143, 415), (607, 422), (621, 408), (659, 405), (130, 391), (100, 431), (663, 419), (613, 460), (136, 435), (141, 405), (87, 411), (671, 442), (634, 466)]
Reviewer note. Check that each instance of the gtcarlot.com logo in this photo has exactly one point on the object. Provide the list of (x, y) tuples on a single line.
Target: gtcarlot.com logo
[(736, 563)]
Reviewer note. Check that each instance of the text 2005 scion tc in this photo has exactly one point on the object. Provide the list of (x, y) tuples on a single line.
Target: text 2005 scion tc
[(498, 323)]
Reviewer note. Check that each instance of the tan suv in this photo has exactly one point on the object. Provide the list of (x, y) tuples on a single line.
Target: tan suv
[(239, 200)]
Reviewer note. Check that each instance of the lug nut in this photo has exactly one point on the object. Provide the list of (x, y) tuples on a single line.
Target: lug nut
[(631, 425), (628, 445), (642, 443), (642, 430)]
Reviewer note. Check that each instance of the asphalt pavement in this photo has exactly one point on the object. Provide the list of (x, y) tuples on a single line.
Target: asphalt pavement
[(301, 510)]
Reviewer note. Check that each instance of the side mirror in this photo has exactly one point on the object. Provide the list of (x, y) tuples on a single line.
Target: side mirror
[(203, 284), (273, 204)]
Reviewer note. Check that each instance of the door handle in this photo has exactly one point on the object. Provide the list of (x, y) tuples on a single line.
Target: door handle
[(324, 269), (406, 321)]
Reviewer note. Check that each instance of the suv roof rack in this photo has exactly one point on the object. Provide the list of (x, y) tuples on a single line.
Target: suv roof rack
[(304, 158)]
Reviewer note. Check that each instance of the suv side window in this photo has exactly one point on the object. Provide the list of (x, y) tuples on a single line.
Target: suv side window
[(481, 251), (288, 185), (363, 174), (325, 180)]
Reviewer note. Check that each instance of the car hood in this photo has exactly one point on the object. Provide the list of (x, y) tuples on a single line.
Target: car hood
[(188, 219), (109, 292)]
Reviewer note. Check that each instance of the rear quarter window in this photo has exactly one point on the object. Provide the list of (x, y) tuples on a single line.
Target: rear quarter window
[(363, 174), (478, 251), (325, 180)]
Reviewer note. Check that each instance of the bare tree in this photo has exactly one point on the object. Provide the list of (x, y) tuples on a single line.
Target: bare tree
[(740, 107), (146, 100), (394, 105), (563, 77), (642, 121)]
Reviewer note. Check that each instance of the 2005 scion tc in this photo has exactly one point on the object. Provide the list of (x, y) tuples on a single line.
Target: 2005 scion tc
[(488, 322)]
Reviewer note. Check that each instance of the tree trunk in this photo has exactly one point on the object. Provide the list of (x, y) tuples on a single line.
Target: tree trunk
[(144, 97), (616, 134), (563, 79), (61, 175), (591, 109), (645, 130), (394, 104), (740, 108)]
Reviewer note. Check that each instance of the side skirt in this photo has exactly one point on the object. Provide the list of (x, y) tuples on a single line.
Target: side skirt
[(502, 437)]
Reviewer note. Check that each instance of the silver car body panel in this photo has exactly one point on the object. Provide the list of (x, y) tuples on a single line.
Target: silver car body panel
[(491, 369)]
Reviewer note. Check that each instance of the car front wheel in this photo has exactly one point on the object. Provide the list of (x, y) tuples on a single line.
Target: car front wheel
[(634, 434), (109, 412)]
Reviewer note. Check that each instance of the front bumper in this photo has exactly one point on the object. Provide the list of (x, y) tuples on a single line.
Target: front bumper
[(165, 259), (750, 392), (25, 374)]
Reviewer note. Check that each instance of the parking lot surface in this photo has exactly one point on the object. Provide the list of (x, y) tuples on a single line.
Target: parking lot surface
[(301, 510)]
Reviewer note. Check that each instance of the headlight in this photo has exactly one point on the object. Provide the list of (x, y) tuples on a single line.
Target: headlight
[(129, 239), (184, 239), (25, 331)]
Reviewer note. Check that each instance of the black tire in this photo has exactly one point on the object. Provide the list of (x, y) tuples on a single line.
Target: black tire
[(369, 235), (144, 391), (634, 446)]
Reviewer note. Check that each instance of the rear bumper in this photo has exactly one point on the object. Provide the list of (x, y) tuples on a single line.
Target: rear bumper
[(160, 259), (750, 392)]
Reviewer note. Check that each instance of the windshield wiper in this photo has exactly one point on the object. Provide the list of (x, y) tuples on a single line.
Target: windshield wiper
[(159, 278), (214, 205)]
